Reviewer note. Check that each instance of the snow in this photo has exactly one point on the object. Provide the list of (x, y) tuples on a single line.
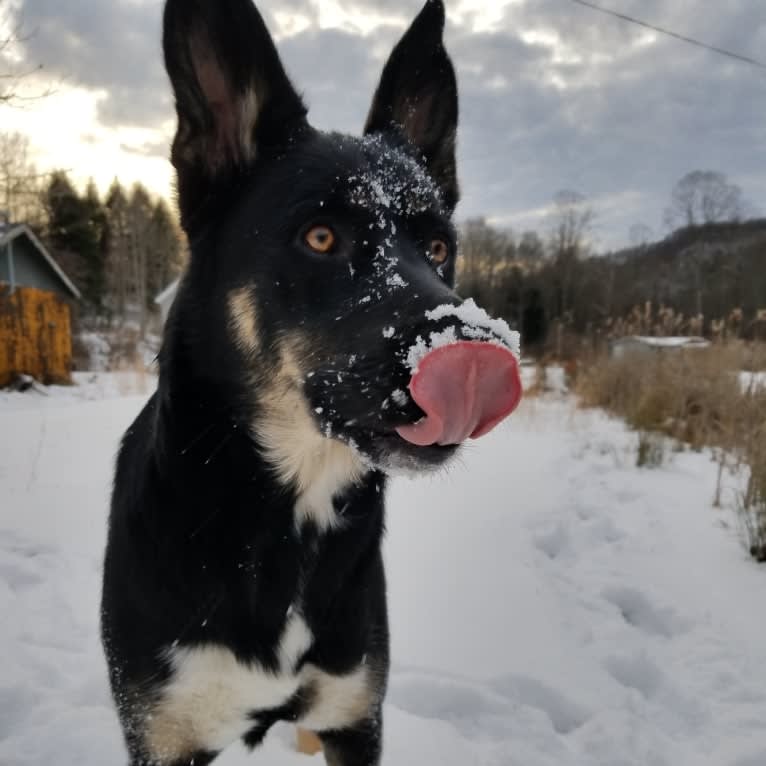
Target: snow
[(392, 182), (551, 604), (670, 341), (418, 350), (98, 349), (389, 184), (399, 397), (752, 382), (555, 379), (476, 318), (477, 325)]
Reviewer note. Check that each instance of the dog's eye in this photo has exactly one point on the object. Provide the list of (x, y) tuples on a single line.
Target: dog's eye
[(438, 252), (321, 239)]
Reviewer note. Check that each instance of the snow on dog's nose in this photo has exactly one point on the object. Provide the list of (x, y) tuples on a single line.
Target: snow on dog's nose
[(465, 389), (465, 377)]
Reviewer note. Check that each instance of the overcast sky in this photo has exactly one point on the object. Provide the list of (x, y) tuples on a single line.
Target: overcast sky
[(553, 95)]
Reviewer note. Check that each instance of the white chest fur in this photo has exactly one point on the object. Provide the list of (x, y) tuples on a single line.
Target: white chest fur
[(210, 697)]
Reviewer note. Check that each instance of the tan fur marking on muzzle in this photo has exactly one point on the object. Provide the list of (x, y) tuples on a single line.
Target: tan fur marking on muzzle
[(243, 318), (250, 108)]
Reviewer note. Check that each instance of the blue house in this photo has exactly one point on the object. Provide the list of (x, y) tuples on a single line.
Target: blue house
[(24, 262)]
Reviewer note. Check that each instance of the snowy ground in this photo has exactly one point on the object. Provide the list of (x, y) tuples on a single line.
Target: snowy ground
[(551, 604), (752, 381)]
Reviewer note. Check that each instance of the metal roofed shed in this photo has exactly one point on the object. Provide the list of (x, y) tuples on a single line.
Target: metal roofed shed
[(645, 344), (24, 262)]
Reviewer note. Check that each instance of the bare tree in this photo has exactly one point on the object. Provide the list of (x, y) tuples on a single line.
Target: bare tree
[(139, 219), (8, 36), (640, 235), (704, 196), (531, 248), (20, 183), (118, 250), (11, 72), (487, 254), (571, 223)]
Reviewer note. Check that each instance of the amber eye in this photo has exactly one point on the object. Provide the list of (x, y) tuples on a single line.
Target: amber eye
[(438, 252), (321, 239)]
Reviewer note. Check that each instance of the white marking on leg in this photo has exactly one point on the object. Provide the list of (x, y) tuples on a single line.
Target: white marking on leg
[(341, 701)]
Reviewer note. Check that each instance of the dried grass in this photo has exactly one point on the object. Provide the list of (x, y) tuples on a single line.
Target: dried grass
[(694, 396)]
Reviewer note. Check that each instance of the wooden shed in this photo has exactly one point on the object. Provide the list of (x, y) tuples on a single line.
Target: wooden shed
[(35, 310)]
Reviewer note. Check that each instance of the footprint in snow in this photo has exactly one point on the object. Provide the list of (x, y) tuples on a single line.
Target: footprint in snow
[(566, 715), (22, 563), (636, 672), (554, 542), (431, 696), (472, 706), (639, 612), (17, 573)]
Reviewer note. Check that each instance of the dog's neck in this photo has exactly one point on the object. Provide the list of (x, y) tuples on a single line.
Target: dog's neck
[(275, 444)]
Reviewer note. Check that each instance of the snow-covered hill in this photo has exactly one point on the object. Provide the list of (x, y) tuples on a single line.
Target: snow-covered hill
[(552, 605)]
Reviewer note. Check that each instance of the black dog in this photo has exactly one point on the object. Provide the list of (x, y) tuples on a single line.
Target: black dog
[(243, 580)]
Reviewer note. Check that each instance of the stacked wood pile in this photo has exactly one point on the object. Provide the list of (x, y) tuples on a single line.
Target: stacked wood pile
[(35, 336)]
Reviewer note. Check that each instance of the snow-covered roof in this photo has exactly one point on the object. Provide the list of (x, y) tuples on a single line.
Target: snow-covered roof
[(13, 232), (666, 342)]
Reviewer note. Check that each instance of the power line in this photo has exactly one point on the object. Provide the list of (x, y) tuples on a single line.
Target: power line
[(670, 33)]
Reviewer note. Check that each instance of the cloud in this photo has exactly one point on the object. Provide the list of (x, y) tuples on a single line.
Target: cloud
[(553, 95), (107, 46)]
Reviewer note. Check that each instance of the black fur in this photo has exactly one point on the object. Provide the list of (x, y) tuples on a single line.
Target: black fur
[(204, 548), (417, 94)]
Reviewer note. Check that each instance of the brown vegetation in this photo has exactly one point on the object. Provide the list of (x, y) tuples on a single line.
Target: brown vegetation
[(697, 397)]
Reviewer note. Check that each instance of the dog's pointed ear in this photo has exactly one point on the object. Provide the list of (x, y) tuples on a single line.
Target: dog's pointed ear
[(417, 95), (231, 91)]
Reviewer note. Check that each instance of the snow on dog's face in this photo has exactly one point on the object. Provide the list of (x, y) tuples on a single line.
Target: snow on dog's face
[(330, 254)]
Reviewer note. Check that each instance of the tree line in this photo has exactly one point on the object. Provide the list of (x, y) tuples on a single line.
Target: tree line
[(120, 249), (707, 276), (123, 248)]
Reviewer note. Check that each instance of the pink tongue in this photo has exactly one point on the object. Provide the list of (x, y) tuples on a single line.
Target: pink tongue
[(465, 389)]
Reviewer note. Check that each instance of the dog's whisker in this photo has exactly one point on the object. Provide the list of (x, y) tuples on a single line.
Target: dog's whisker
[(205, 523), (197, 439), (220, 446)]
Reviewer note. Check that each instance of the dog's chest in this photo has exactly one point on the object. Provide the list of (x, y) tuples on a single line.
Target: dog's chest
[(212, 699)]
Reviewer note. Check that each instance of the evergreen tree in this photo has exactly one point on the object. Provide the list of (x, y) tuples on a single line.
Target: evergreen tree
[(139, 218), (75, 234), (117, 245)]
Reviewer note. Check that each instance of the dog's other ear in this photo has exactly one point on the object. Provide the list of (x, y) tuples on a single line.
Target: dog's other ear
[(417, 94), (231, 91)]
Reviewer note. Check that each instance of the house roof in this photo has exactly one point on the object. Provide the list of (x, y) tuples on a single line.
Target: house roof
[(14, 232), (666, 342)]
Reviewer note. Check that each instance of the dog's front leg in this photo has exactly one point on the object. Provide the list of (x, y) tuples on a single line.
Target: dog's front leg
[(359, 745)]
